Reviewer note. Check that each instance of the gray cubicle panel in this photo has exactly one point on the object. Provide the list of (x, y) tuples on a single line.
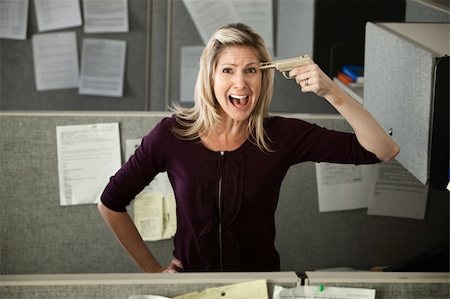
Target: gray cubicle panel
[(157, 31), (39, 236), (437, 11), (400, 61), (18, 88)]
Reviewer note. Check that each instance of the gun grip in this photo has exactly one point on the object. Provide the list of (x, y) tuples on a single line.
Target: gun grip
[(286, 75)]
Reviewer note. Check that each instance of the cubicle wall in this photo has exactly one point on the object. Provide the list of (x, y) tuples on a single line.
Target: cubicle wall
[(39, 236), (411, 102), (17, 79), (158, 29), (427, 11)]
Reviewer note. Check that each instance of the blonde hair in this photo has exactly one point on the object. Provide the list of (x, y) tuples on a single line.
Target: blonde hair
[(203, 116)]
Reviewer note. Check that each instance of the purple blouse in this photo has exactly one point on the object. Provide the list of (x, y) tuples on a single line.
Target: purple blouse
[(226, 201)]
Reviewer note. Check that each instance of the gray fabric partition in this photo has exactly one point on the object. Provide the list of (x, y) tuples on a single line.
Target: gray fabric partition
[(39, 236), (17, 80), (392, 86), (157, 31), (427, 11)]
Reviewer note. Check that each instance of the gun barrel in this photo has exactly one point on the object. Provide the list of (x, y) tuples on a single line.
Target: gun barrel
[(288, 64)]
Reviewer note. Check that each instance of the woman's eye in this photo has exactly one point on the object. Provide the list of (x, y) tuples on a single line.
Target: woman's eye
[(226, 70), (252, 70)]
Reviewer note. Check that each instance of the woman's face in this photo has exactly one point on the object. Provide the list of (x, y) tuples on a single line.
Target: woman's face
[(237, 82)]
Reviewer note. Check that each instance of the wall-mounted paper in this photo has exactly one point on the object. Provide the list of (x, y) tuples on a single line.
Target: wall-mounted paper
[(13, 19), (55, 60), (343, 187), (258, 14), (190, 59), (209, 15), (105, 16), (386, 189), (148, 215), (56, 14), (397, 193), (155, 215), (102, 67), (88, 155)]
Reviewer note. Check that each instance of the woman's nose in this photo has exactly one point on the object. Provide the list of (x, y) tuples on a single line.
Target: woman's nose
[(239, 80)]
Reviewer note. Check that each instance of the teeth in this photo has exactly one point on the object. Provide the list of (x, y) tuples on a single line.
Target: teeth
[(239, 97)]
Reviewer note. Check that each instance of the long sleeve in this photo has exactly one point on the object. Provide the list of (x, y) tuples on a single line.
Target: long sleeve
[(149, 159)]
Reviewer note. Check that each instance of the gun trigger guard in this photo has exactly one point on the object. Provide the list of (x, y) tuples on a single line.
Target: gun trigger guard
[(285, 74)]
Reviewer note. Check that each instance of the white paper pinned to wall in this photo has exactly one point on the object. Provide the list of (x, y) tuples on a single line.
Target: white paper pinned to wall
[(397, 193), (55, 14), (386, 189), (55, 60), (209, 15), (88, 155), (105, 16), (102, 67), (343, 187), (13, 19)]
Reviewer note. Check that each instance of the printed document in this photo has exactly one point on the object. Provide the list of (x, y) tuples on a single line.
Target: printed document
[(320, 292), (88, 155), (155, 215), (386, 189), (258, 14), (53, 14), (105, 16), (102, 67), (397, 193), (13, 19), (202, 10), (55, 60), (256, 289), (342, 186)]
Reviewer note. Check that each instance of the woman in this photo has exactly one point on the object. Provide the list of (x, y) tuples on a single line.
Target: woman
[(226, 159)]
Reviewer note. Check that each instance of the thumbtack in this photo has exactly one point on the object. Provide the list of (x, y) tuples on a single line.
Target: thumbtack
[(321, 288)]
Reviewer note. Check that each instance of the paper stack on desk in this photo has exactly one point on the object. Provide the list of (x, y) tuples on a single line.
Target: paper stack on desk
[(312, 292), (256, 289)]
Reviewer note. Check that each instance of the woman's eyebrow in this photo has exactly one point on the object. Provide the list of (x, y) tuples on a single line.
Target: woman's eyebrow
[(234, 64)]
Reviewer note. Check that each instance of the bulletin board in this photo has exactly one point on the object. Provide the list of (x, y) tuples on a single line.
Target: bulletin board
[(17, 78)]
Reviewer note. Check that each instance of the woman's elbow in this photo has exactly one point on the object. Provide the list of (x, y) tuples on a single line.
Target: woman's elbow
[(390, 154), (104, 210)]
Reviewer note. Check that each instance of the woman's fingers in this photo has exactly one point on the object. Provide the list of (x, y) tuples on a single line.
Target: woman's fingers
[(312, 79), (174, 267)]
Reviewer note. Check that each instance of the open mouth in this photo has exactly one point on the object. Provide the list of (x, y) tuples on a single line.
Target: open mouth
[(239, 101)]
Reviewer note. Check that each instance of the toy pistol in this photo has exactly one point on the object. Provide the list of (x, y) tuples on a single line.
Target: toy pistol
[(286, 65)]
